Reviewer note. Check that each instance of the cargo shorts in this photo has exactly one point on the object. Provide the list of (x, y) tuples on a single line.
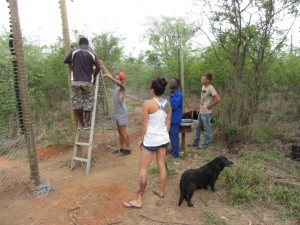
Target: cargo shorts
[(82, 95)]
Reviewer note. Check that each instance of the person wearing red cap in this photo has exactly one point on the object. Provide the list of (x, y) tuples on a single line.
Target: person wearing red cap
[(120, 109)]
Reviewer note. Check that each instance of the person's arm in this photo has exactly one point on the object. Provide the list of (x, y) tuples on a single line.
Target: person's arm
[(117, 82), (121, 93), (168, 119), (103, 67), (97, 69), (68, 58), (108, 75), (176, 101), (144, 121), (216, 100)]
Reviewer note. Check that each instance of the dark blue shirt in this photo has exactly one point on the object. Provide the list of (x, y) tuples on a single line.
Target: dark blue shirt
[(176, 104)]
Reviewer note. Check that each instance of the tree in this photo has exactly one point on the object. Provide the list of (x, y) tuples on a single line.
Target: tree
[(108, 48), (166, 35), (245, 36)]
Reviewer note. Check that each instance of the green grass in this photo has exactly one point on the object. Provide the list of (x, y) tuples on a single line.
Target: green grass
[(211, 219), (170, 172), (57, 137), (258, 178), (4, 151)]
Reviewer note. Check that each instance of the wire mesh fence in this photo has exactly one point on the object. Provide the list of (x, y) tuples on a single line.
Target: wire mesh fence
[(14, 164), (32, 118), (13, 151)]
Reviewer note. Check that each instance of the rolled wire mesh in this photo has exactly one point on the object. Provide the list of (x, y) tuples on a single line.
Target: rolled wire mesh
[(14, 167)]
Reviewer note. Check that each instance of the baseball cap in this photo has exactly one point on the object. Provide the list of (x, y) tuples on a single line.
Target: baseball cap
[(121, 75)]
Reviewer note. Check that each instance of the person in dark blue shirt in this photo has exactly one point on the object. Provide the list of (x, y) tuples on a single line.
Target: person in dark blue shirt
[(176, 104)]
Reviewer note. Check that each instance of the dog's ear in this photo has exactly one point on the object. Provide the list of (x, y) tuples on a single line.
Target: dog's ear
[(220, 164)]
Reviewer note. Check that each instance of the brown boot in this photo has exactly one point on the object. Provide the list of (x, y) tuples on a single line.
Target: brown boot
[(87, 118)]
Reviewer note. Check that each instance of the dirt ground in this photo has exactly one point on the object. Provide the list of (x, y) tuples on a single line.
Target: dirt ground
[(97, 198)]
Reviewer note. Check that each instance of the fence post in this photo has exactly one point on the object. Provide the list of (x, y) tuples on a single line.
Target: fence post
[(67, 43), (29, 134)]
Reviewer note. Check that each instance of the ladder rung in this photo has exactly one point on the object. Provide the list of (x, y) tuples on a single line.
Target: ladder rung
[(82, 143), (80, 159)]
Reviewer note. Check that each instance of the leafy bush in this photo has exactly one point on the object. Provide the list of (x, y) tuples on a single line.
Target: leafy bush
[(252, 179)]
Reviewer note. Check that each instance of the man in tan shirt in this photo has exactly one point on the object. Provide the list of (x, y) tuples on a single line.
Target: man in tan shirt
[(209, 98)]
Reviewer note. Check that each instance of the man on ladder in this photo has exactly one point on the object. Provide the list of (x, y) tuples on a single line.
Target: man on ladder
[(85, 68), (83, 77)]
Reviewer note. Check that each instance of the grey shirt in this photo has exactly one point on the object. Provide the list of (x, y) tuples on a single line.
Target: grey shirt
[(119, 106)]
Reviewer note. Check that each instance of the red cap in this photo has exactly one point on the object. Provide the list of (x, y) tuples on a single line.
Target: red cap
[(121, 75)]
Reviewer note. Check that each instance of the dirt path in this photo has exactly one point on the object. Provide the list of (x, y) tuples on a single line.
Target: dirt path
[(96, 199)]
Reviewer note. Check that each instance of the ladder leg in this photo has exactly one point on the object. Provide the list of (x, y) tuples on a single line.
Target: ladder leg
[(86, 162)]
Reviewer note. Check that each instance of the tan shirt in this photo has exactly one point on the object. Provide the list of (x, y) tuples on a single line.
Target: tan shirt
[(207, 96)]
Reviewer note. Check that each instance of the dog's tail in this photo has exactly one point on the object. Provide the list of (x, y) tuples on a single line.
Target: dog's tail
[(181, 197)]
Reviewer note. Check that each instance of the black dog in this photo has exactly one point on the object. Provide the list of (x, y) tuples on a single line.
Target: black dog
[(201, 178)]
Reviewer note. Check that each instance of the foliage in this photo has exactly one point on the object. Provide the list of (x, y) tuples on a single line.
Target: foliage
[(254, 179), (108, 48), (244, 46), (47, 76), (167, 35)]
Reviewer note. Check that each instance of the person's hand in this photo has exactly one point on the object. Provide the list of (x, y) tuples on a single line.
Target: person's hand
[(106, 75), (141, 145), (101, 64)]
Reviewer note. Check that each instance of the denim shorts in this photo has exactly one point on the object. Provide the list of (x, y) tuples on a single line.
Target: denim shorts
[(121, 119), (154, 149)]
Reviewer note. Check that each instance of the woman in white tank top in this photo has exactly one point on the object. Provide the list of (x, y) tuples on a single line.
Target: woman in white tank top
[(156, 119)]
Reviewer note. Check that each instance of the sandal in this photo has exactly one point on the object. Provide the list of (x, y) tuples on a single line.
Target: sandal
[(155, 191), (130, 205)]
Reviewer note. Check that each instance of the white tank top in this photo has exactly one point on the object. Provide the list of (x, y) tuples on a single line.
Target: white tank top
[(157, 132)]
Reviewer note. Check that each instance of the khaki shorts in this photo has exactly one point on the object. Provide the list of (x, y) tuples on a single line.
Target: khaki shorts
[(82, 95)]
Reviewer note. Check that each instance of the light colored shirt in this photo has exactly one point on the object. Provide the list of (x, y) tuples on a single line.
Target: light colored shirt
[(157, 132), (207, 96)]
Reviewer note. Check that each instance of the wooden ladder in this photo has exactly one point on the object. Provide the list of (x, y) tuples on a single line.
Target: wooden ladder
[(78, 145)]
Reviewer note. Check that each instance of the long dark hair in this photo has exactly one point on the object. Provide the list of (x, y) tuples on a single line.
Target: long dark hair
[(159, 85)]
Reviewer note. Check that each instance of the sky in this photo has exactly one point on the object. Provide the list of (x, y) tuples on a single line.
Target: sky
[(40, 20)]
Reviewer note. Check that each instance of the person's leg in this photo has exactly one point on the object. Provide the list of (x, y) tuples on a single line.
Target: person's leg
[(207, 127), (161, 163), (80, 116), (198, 131), (77, 101), (145, 160), (87, 119), (122, 120), (174, 136), (121, 138), (88, 103)]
